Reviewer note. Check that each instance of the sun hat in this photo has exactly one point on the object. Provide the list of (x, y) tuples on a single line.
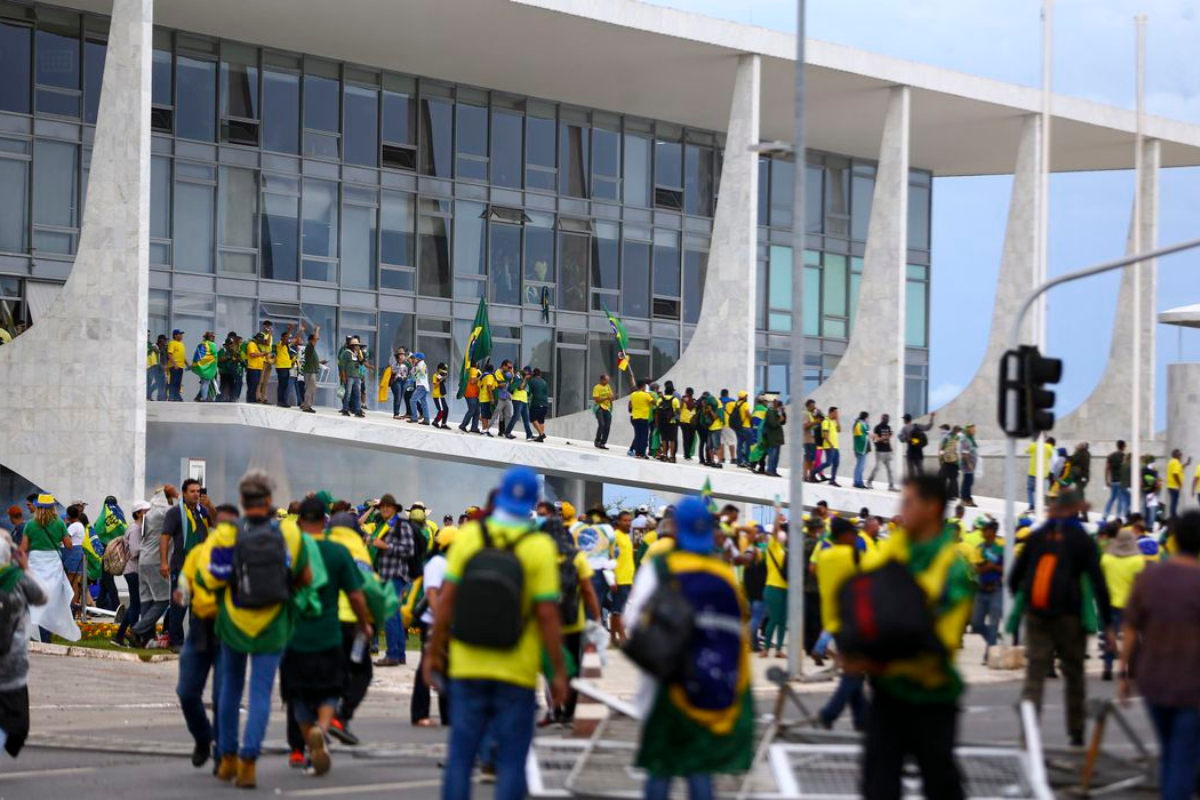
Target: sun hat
[(1124, 544)]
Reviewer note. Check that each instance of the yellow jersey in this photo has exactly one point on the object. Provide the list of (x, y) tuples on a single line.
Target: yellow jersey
[(623, 545), (254, 356), (602, 396), (640, 405), (1174, 474), (283, 356), (176, 355), (776, 558)]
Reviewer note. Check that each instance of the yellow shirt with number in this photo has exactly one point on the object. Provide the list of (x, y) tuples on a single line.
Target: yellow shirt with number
[(624, 549), (776, 556), (1174, 474), (640, 405), (539, 558)]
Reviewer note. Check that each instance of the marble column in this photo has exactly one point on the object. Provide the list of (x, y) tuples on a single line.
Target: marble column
[(977, 403), (1183, 398), (73, 404), (870, 374), (721, 351), (1105, 414)]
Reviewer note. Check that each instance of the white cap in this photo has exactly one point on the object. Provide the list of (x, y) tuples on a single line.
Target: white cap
[(140, 505)]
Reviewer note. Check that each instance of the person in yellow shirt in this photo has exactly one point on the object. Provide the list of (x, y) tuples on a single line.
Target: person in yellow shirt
[(1047, 455), (834, 565), (487, 395), (176, 364), (283, 365), (623, 554), (1175, 468), (1121, 565), (641, 404), (1196, 483), (831, 456), (256, 352), (438, 390), (602, 400), (776, 591)]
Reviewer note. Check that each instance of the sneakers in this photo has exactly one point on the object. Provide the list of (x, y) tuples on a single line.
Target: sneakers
[(200, 754), (341, 731), (246, 777), (317, 752), (388, 662), (227, 769), (296, 759)]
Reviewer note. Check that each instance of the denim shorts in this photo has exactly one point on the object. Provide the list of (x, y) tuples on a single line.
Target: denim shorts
[(620, 596), (485, 410)]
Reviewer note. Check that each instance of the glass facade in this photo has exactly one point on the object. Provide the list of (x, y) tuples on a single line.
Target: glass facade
[(384, 205)]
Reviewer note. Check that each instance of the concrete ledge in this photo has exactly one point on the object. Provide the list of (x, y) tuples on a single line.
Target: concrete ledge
[(82, 651)]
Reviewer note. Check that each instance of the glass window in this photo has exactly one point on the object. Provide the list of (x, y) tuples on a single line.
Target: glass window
[(764, 189), (571, 392), (835, 285), (837, 197), (469, 232), (573, 271), (58, 53), (862, 189), (914, 315), (15, 54), (14, 206), (635, 286), (602, 360), (433, 243), (812, 298), (760, 303), (918, 211), (472, 142), (93, 64), (666, 263), (637, 170), (161, 86), (281, 111), (506, 147), (537, 350), (193, 314), (362, 126), (695, 272), (504, 255), (194, 226), (606, 164), (395, 331), (195, 116), (782, 182), (436, 122), (399, 118), (398, 237), (326, 318), (574, 146), (56, 176), (239, 81), (235, 314), (321, 116), (320, 232), (779, 297), (698, 179), (813, 194), (668, 164), (539, 254), (539, 153), (606, 257), (358, 245), (160, 304), (237, 210), (280, 230), (663, 355)]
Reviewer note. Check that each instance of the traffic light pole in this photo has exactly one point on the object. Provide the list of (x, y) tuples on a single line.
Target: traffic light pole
[(1014, 338)]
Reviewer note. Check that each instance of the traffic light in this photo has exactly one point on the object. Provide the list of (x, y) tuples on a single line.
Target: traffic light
[(1025, 404)]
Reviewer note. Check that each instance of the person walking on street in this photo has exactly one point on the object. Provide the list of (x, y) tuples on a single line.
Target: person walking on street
[(862, 446), (419, 374), (20, 592), (914, 440), (350, 365), (1049, 572), (395, 540), (773, 437), (156, 362), (184, 527), (1121, 565), (520, 400), (1116, 477), (471, 396), (833, 565), (177, 364), (398, 365), (832, 456), (539, 403), (602, 400), (882, 439), (133, 545), (437, 390), (1175, 470), (987, 558)]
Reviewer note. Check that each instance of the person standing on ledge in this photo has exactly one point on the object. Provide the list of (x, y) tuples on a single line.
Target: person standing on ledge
[(602, 397), (176, 362), (641, 403)]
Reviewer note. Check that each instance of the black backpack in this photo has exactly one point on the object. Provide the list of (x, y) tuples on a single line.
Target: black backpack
[(12, 611), (884, 616), (665, 413), (659, 643), (735, 414), (918, 440), (261, 575), (416, 562), (568, 575), (489, 610)]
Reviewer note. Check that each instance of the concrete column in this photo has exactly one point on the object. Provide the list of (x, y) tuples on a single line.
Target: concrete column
[(1105, 413), (870, 375), (721, 351), (1183, 398), (977, 403), (79, 429)]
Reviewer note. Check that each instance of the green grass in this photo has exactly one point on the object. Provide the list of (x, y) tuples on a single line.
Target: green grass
[(106, 644)]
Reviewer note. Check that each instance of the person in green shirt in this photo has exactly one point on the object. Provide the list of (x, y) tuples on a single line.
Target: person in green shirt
[(862, 446), (539, 403), (313, 671), (351, 365), (310, 371), (231, 363)]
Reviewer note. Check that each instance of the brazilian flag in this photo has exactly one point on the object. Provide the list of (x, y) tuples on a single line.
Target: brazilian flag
[(478, 346), (108, 526), (618, 329)]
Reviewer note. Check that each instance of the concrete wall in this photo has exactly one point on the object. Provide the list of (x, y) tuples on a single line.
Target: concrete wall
[(1183, 406)]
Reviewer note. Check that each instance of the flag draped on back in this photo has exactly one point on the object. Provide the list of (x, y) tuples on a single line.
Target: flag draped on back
[(478, 346), (618, 330), (108, 526)]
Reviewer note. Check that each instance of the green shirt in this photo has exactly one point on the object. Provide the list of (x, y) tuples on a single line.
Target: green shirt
[(539, 392), (861, 441), (312, 362), (351, 367), (45, 538), (325, 632)]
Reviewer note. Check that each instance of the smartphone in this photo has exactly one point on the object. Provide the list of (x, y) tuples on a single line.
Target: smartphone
[(203, 492)]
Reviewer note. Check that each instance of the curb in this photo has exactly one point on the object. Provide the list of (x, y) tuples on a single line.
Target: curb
[(78, 651)]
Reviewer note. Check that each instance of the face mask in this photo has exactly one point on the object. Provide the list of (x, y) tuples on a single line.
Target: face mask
[(539, 519)]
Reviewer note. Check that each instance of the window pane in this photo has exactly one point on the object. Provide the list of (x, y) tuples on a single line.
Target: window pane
[(469, 232), (320, 219), (698, 195), (695, 272), (280, 227), (239, 76), (14, 206), (779, 297), (504, 248), (813, 181), (537, 350), (602, 360), (362, 126), (573, 144), (760, 310), (835, 285), (472, 141), (637, 170), (764, 188), (539, 250), (436, 122), (281, 112), (668, 164), (15, 53), (812, 301), (663, 355), (433, 242), (506, 148), (569, 394), (606, 153), (194, 227), (321, 103), (783, 179), (399, 118), (58, 57), (238, 206), (395, 331), (358, 246), (855, 284), (918, 217), (195, 117), (635, 292), (160, 78), (398, 240), (837, 197), (56, 176), (93, 54), (862, 189), (914, 315), (539, 152), (573, 271), (606, 256), (235, 314), (666, 263)]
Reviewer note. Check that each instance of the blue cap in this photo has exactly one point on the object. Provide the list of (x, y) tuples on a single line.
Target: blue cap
[(518, 492), (694, 526), (419, 356)]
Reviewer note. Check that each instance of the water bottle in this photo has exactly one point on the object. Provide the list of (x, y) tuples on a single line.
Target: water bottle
[(358, 650)]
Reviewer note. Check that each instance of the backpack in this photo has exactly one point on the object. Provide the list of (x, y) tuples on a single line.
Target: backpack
[(659, 643), (116, 556), (884, 616), (568, 575), (489, 610), (918, 439), (735, 414), (261, 572), (949, 454), (416, 563), (665, 413)]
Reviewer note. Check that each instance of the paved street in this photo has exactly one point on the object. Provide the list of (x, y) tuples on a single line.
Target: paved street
[(112, 728)]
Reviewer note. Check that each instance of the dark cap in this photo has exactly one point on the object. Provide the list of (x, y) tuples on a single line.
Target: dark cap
[(312, 510)]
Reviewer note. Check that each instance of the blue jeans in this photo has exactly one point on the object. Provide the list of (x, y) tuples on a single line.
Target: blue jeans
[(201, 654), (700, 787), (476, 706), (393, 627), (1178, 730), (860, 466), (253, 378), (968, 484), (397, 397), (773, 459), (263, 667), (207, 386), (285, 383), (832, 460), (156, 383), (175, 387), (420, 404), (470, 420), (1110, 655), (1118, 495), (641, 436), (823, 641), (520, 412), (985, 616), (175, 614), (758, 612), (745, 438), (849, 692), (352, 399)]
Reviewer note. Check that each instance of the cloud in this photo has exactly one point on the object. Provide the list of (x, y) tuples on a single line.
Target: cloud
[(944, 393)]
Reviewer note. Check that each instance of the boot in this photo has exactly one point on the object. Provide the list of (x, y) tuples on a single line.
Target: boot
[(228, 768), (246, 778)]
